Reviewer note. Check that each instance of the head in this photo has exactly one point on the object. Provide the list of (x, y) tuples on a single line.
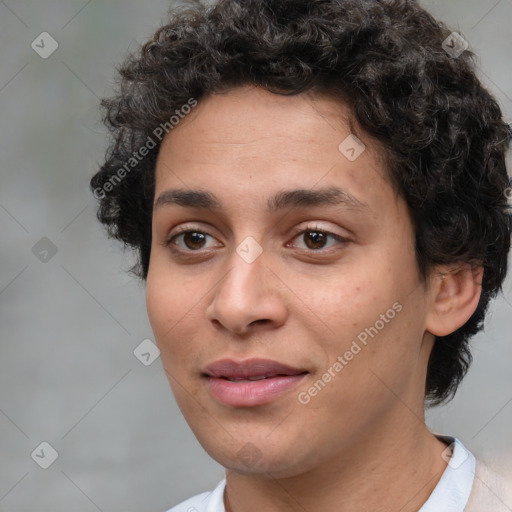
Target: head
[(303, 181)]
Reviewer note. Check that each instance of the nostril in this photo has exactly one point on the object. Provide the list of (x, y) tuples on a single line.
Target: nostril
[(263, 320)]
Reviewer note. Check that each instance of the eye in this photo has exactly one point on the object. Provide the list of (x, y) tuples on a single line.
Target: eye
[(189, 240), (317, 239), (313, 239)]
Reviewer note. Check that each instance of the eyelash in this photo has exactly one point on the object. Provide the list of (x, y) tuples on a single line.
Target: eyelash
[(307, 229)]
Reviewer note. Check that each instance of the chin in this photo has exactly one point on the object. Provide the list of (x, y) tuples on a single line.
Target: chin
[(250, 460)]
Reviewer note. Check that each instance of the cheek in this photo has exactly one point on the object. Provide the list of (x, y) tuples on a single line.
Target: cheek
[(166, 306), (380, 355), (168, 297), (158, 304), (175, 307), (167, 309), (371, 312), (349, 301)]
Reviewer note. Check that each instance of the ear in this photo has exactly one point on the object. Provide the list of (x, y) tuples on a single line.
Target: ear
[(455, 293)]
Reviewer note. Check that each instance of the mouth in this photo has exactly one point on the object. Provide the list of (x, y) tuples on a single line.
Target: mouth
[(254, 378), (250, 369), (252, 382)]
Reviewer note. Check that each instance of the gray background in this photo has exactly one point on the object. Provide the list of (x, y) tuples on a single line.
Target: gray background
[(70, 324)]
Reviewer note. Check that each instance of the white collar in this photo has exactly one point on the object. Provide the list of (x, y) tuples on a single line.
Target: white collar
[(451, 494)]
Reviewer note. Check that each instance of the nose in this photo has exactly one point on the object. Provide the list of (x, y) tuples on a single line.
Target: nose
[(248, 298)]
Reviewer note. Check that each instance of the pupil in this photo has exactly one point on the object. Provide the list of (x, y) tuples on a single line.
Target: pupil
[(317, 238), (194, 239)]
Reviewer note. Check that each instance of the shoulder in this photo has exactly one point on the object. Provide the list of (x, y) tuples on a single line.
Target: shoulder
[(211, 501), (492, 488)]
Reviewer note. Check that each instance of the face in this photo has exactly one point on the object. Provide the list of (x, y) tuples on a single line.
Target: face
[(283, 292)]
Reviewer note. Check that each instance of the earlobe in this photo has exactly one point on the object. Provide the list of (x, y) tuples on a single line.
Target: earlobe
[(455, 296)]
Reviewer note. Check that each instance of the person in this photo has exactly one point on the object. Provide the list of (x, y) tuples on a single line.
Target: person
[(317, 194)]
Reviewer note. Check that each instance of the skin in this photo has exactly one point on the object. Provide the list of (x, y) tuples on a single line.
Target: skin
[(356, 445)]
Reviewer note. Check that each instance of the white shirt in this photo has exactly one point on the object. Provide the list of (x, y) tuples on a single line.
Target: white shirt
[(451, 493)]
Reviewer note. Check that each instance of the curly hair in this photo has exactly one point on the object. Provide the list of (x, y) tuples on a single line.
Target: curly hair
[(442, 133)]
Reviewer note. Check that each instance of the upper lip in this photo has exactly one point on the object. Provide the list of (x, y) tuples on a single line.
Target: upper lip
[(228, 368)]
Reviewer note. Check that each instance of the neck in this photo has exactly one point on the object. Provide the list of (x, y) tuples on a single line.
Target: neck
[(389, 471)]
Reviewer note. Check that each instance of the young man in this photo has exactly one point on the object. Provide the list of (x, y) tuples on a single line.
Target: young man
[(317, 192)]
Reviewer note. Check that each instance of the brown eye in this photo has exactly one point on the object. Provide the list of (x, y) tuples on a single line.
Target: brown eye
[(315, 239), (194, 239), (189, 240)]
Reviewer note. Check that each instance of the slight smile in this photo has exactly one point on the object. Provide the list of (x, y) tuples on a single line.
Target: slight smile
[(251, 382)]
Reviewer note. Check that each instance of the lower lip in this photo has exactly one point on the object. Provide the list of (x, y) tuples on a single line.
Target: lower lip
[(246, 393)]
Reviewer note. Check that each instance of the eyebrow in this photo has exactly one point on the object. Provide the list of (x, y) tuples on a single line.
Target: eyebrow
[(332, 196)]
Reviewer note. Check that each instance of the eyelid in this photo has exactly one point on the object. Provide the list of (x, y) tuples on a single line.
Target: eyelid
[(315, 226)]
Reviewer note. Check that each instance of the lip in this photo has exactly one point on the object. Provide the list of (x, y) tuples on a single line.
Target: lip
[(249, 368), (273, 380)]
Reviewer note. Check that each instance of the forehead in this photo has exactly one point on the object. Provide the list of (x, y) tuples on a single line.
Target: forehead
[(248, 137), (251, 115)]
